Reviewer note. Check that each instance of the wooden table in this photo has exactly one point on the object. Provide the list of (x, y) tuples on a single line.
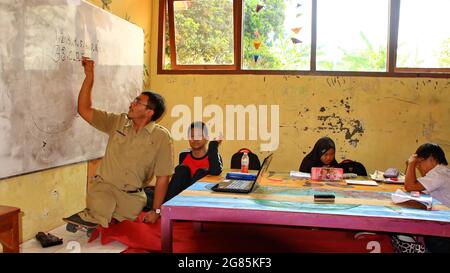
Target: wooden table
[(281, 200), (9, 228)]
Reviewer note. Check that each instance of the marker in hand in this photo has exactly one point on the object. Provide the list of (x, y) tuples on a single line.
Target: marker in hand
[(88, 65)]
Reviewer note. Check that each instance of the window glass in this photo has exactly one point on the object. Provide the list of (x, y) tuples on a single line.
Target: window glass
[(276, 34), (424, 34), (204, 32), (352, 35)]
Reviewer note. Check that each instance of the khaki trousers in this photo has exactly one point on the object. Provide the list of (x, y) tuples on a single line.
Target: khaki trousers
[(105, 201)]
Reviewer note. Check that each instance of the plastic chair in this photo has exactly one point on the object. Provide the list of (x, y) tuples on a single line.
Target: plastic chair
[(255, 164)]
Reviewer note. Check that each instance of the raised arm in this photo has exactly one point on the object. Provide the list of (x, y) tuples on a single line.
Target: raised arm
[(84, 98), (411, 183), (215, 161)]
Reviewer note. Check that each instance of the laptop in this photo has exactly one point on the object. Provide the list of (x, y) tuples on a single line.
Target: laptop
[(243, 186)]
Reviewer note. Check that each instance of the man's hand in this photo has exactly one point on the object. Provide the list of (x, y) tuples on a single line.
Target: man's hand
[(151, 217), (88, 65)]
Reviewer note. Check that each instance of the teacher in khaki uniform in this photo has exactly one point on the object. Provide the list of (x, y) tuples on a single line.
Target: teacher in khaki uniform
[(137, 149)]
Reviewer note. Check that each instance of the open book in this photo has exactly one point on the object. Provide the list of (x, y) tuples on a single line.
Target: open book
[(424, 200)]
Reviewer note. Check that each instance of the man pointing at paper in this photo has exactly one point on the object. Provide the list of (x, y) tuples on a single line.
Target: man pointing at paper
[(137, 149)]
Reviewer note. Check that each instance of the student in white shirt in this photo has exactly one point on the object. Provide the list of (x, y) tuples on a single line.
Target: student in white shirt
[(430, 160)]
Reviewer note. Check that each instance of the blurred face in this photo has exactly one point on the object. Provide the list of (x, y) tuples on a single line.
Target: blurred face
[(425, 165), (327, 157), (196, 139), (138, 108)]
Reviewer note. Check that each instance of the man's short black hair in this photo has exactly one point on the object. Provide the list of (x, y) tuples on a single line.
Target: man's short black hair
[(198, 125), (155, 103), (430, 149)]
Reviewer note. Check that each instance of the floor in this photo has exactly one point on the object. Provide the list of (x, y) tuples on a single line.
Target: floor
[(72, 243), (226, 238)]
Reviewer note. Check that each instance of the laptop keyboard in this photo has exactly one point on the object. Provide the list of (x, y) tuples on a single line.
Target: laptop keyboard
[(238, 184)]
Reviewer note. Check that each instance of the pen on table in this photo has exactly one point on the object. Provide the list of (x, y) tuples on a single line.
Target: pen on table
[(120, 132)]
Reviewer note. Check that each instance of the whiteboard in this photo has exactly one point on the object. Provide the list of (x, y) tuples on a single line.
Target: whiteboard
[(41, 45)]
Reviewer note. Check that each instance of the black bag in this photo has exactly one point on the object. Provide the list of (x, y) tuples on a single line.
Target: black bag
[(254, 163), (48, 239), (351, 166)]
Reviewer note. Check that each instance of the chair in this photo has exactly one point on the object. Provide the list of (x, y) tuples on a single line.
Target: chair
[(254, 163), (351, 166)]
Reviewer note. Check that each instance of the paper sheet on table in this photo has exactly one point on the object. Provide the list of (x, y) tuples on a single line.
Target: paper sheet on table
[(299, 174), (399, 197), (361, 182)]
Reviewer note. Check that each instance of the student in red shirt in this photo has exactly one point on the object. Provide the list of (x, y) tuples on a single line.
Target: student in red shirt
[(197, 162)]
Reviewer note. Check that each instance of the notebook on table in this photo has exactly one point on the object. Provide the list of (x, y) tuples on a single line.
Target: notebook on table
[(243, 186)]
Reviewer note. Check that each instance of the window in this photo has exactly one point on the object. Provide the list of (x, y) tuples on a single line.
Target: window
[(317, 37), (203, 33), (424, 34), (352, 35), (277, 35)]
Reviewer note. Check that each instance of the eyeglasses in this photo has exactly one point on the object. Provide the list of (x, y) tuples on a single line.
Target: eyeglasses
[(138, 101)]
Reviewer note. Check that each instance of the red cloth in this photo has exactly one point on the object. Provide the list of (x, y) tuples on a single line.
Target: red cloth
[(136, 235), (227, 237)]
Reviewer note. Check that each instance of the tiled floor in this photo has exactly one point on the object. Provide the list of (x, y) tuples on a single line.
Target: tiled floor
[(72, 243)]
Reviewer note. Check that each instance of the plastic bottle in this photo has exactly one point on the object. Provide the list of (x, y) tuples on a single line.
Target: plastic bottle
[(245, 161)]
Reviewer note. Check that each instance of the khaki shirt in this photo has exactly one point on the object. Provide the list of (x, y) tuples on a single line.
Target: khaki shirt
[(133, 158)]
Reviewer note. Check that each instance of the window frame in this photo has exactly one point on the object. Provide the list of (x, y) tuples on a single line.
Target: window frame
[(236, 68)]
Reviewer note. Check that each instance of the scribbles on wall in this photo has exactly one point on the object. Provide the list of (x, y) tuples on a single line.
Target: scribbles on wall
[(352, 128), (429, 84), (41, 46), (332, 121), (336, 81), (106, 3)]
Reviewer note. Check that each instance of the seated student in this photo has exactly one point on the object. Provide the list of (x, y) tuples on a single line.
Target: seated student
[(430, 160), (196, 162), (322, 155)]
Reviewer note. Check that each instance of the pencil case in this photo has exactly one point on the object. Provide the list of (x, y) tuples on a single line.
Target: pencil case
[(391, 173)]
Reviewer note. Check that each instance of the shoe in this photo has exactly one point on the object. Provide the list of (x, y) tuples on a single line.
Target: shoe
[(48, 239), (76, 219)]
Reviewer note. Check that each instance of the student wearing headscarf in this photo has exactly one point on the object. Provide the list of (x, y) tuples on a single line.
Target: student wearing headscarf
[(322, 155)]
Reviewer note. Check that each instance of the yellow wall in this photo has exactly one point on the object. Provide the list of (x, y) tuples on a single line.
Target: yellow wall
[(396, 114), (45, 197), (48, 196)]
